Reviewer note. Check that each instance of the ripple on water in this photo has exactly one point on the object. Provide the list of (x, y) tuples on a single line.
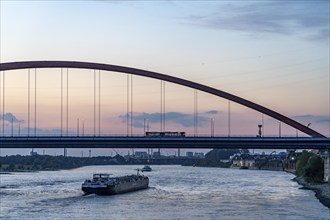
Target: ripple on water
[(175, 193)]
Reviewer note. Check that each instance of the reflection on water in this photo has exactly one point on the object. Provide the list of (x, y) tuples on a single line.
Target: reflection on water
[(175, 193)]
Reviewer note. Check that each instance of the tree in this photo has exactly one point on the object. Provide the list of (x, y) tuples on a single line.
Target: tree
[(11, 167), (314, 169), (221, 154), (310, 166)]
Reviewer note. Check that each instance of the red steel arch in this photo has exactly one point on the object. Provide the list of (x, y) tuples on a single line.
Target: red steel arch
[(155, 75)]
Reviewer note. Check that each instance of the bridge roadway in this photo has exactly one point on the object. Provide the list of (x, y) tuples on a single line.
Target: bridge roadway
[(165, 142)]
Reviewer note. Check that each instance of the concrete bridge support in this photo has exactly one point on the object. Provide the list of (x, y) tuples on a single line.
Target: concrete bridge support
[(326, 159), (327, 169)]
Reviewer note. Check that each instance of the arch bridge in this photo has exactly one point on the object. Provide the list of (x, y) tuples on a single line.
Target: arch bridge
[(316, 139)]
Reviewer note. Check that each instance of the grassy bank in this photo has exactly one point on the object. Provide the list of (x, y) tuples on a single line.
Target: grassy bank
[(309, 174)]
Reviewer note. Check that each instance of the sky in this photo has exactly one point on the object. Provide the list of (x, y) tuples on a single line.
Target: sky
[(274, 53)]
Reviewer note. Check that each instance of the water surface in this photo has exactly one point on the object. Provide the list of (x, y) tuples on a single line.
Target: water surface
[(175, 193)]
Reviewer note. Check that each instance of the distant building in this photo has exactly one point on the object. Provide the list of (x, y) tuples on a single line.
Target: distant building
[(263, 161), (33, 153), (199, 155), (291, 159), (283, 155), (243, 160), (141, 154), (156, 154), (190, 154)]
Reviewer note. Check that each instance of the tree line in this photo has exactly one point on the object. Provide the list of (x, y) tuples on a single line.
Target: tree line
[(47, 162)]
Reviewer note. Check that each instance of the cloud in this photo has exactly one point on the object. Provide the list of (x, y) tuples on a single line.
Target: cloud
[(212, 112), (183, 119), (43, 132), (307, 19), (23, 131), (10, 117)]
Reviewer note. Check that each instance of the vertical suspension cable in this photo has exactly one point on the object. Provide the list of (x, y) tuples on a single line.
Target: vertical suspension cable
[(99, 103), (195, 113), (212, 127), (1, 115), (94, 98), (61, 102), (67, 102), (127, 107), (67, 108), (12, 126), (262, 122), (29, 102), (77, 127), (161, 109), (161, 106), (35, 102), (229, 129), (164, 106), (83, 128), (3, 104), (131, 105), (144, 126), (280, 130)]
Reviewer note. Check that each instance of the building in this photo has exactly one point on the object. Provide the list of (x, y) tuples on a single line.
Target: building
[(190, 154), (141, 154), (199, 155), (33, 153), (291, 160), (243, 160), (156, 154)]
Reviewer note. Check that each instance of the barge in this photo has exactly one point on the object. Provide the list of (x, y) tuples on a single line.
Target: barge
[(103, 184), (146, 168)]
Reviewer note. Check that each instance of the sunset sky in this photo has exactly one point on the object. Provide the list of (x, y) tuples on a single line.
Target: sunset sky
[(274, 53)]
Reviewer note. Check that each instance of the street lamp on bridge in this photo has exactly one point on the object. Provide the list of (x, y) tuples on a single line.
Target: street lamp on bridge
[(259, 131)]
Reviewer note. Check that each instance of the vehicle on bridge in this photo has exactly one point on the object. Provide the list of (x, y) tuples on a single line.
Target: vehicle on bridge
[(165, 134)]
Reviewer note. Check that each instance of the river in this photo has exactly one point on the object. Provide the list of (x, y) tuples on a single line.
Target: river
[(175, 192)]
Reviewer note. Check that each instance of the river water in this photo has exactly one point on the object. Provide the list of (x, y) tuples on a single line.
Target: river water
[(175, 192)]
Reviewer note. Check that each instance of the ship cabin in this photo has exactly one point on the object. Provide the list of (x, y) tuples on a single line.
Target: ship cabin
[(101, 177)]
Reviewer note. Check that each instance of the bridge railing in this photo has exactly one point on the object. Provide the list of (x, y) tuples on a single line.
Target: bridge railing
[(142, 135)]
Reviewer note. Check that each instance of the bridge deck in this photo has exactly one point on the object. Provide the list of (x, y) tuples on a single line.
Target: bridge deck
[(165, 142)]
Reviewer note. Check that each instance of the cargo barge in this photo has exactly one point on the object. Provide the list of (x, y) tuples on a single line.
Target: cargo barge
[(103, 184)]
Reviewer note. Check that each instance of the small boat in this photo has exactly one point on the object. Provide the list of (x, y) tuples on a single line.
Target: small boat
[(146, 168), (103, 184)]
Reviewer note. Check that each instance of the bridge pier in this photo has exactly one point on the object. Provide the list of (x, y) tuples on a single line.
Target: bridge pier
[(327, 169), (326, 159)]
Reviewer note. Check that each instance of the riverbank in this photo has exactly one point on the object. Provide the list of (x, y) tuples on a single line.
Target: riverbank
[(322, 190)]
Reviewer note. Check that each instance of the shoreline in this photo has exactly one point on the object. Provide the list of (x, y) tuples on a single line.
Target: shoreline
[(322, 190)]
